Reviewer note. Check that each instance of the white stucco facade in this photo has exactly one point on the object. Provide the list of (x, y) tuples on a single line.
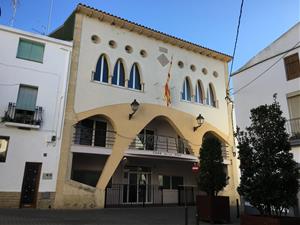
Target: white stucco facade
[(153, 74), (50, 77)]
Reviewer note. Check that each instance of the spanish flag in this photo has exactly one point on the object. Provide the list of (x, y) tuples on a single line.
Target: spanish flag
[(167, 95)]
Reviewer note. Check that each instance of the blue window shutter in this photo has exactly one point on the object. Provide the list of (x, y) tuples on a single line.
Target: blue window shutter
[(122, 75), (27, 98), (98, 69), (130, 81), (137, 79), (105, 70), (115, 75)]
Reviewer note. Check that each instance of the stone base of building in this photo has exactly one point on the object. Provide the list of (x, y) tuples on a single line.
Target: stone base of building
[(12, 200)]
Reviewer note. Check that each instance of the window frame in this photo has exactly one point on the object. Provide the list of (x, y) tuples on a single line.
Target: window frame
[(133, 71), (170, 185), (30, 57), (103, 62), (199, 95), (4, 157), (185, 93), (288, 62), (118, 73)]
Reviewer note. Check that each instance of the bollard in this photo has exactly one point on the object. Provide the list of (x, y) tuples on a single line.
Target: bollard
[(197, 219), (186, 215)]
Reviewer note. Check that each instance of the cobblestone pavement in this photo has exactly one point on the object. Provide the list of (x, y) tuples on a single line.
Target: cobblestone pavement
[(120, 216)]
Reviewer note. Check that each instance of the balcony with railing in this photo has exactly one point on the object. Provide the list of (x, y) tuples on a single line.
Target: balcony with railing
[(293, 129), (23, 118), (142, 144)]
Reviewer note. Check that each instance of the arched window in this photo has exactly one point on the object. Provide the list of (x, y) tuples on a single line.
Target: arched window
[(135, 79), (101, 73), (186, 90), (199, 95), (211, 97), (119, 74)]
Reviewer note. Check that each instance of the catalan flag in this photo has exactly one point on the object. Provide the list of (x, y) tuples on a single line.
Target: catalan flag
[(167, 95)]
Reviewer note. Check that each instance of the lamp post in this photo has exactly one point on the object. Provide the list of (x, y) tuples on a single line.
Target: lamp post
[(134, 107), (200, 121)]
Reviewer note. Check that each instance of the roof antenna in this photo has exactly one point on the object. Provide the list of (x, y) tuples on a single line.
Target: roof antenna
[(49, 17), (15, 4)]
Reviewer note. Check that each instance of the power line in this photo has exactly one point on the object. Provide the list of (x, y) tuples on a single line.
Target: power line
[(235, 44), (262, 73)]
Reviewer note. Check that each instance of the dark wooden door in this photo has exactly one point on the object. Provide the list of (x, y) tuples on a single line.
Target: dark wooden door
[(30, 184)]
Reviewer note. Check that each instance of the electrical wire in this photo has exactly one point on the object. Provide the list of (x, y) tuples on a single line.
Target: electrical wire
[(262, 73), (235, 44)]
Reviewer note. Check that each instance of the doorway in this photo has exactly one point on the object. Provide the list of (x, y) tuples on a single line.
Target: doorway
[(138, 187), (30, 185)]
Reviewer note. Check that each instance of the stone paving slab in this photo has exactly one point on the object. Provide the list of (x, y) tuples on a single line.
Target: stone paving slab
[(116, 216)]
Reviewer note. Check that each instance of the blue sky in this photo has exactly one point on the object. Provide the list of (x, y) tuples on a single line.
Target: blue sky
[(210, 23)]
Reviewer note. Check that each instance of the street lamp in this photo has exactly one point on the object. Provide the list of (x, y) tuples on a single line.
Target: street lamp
[(200, 121), (134, 107)]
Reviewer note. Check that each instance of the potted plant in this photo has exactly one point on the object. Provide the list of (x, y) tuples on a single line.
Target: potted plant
[(211, 180), (269, 175)]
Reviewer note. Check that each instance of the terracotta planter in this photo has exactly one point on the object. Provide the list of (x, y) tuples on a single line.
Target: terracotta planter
[(213, 209), (269, 220)]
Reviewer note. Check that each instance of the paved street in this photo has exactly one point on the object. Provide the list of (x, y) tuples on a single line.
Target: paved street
[(123, 216)]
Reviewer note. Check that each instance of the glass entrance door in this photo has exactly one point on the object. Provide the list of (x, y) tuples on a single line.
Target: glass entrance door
[(139, 189)]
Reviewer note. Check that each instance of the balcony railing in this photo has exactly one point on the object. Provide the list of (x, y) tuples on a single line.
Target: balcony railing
[(160, 143), (93, 137), (293, 128), (15, 115), (105, 138)]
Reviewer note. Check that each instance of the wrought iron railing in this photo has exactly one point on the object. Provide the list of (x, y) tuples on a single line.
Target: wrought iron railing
[(122, 195), (15, 115), (293, 128), (93, 137), (106, 138), (160, 143)]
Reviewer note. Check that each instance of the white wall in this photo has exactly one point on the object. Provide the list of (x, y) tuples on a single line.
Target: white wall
[(51, 79), (273, 81), (153, 74)]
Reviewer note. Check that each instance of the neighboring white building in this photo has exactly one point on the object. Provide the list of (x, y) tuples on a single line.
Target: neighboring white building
[(279, 70), (33, 80)]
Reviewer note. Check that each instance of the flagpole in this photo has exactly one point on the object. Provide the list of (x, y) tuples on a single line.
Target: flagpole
[(49, 17)]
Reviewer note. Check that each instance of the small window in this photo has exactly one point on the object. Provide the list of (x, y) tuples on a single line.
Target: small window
[(30, 50), (95, 39), (186, 90), (180, 64), (215, 74), (128, 49), (292, 66), (204, 71), (193, 68), (3, 148), (112, 44), (119, 74), (135, 79), (143, 53)]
